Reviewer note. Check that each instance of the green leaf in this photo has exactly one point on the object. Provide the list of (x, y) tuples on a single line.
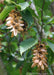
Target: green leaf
[(50, 56), (1, 5), (51, 20), (51, 45), (9, 1), (27, 17), (24, 5), (14, 44), (27, 44), (25, 68), (5, 12), (20, 1)]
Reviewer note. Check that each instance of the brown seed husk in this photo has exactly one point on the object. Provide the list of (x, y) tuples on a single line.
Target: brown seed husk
[(40, 58)]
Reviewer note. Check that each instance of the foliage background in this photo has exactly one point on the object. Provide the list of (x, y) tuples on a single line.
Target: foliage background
[(16, 52)]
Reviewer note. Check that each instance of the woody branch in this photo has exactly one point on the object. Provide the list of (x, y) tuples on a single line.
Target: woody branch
[(36, 21)]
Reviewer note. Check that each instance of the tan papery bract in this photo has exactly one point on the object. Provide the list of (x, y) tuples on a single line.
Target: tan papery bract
[(39, 57)]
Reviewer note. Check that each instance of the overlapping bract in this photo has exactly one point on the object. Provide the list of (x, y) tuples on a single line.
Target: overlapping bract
[(15, 23), (40, 58)]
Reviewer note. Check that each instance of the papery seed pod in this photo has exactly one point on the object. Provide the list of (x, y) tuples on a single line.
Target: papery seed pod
[(15, 23), (42, 67), (40, 58)]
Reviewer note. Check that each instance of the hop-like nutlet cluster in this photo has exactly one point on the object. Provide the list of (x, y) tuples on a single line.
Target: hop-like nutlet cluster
[(40, 58), (15, 23), (2, 1)]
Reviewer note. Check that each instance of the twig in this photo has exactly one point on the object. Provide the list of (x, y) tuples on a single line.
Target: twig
[(36, 20), (6, 34), (42, 18), (42, 12)]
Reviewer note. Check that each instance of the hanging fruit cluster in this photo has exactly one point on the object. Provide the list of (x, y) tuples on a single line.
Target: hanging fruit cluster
[(15, 23), (40, 58)]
